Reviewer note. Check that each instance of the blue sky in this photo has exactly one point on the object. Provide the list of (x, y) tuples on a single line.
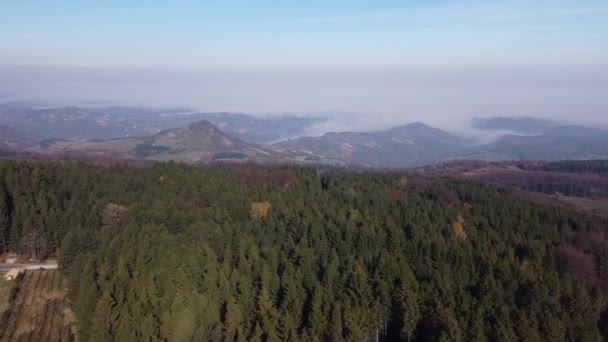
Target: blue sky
[(330, 32), (368, 64)]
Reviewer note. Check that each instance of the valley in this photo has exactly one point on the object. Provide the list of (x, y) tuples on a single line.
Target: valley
[(236, 138)]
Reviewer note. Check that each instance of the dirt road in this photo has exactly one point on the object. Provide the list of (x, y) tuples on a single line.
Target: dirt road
[(29, 266)]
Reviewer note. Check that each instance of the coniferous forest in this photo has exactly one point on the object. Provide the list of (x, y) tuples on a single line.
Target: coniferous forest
[(170, 252), (577, 166)]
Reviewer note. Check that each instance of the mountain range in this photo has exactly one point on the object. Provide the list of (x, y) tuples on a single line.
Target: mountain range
[(237, 137), (556, 143), (521, 125), (198, 142), (80, 123), (413, 144)]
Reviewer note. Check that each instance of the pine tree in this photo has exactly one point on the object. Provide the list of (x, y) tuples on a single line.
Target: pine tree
[(410, 310), (232, 321), (335, 328), (104, 319)]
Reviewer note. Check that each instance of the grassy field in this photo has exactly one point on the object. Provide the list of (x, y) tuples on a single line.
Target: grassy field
[(5, 288), (37, 310), (598, 206)]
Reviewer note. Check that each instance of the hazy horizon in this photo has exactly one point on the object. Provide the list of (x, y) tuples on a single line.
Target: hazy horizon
[(370, 65), (361, 98)]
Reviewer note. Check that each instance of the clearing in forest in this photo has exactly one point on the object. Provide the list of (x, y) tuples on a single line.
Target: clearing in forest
[(37, 309)]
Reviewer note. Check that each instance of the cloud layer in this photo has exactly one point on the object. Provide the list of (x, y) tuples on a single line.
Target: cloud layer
[(354, 98)]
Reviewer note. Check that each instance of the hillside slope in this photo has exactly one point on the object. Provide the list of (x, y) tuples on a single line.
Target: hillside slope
[(198, 142), (558, 143), (10, 139), (408, 145), (521, 125), (86, 123)]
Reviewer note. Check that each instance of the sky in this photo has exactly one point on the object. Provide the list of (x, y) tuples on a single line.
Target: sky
[(393, 61), (317, 32)]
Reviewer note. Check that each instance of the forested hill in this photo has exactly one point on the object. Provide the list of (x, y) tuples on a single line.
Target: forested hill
[(182, 253)]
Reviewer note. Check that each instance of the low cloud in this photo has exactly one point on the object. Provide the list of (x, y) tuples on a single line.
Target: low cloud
[(351, 98)]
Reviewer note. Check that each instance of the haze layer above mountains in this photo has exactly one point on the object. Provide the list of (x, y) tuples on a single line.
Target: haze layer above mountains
[(348, 98), (176, 134)]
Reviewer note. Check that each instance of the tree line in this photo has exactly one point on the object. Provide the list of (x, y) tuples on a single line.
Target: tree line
[(598, 166), (569, 184)]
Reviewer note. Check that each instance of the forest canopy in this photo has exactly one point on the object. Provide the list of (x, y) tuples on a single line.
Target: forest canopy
[(184, 253)]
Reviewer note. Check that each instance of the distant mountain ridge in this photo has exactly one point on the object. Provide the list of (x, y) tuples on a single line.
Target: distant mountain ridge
[(204, 141), (557, 143), (80, 123), (199, 142), (408, 145), (521, 125)]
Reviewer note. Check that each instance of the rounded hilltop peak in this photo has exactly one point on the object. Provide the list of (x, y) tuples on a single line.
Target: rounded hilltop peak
[(204, 124), (419, 126), (208, 130)]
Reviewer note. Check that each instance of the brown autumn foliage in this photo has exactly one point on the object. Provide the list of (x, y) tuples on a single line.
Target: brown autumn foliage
[(421, 185), (450, 197), (458, 228), (259, 210), (193, 203), (393, 193), (576, 263), (426, 187), (587, 241), (113, 214), (354, 215), (280, 178), (89, 156), (549, 182)]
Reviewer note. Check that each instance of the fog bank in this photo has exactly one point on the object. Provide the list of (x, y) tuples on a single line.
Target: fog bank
[(354, 98)]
